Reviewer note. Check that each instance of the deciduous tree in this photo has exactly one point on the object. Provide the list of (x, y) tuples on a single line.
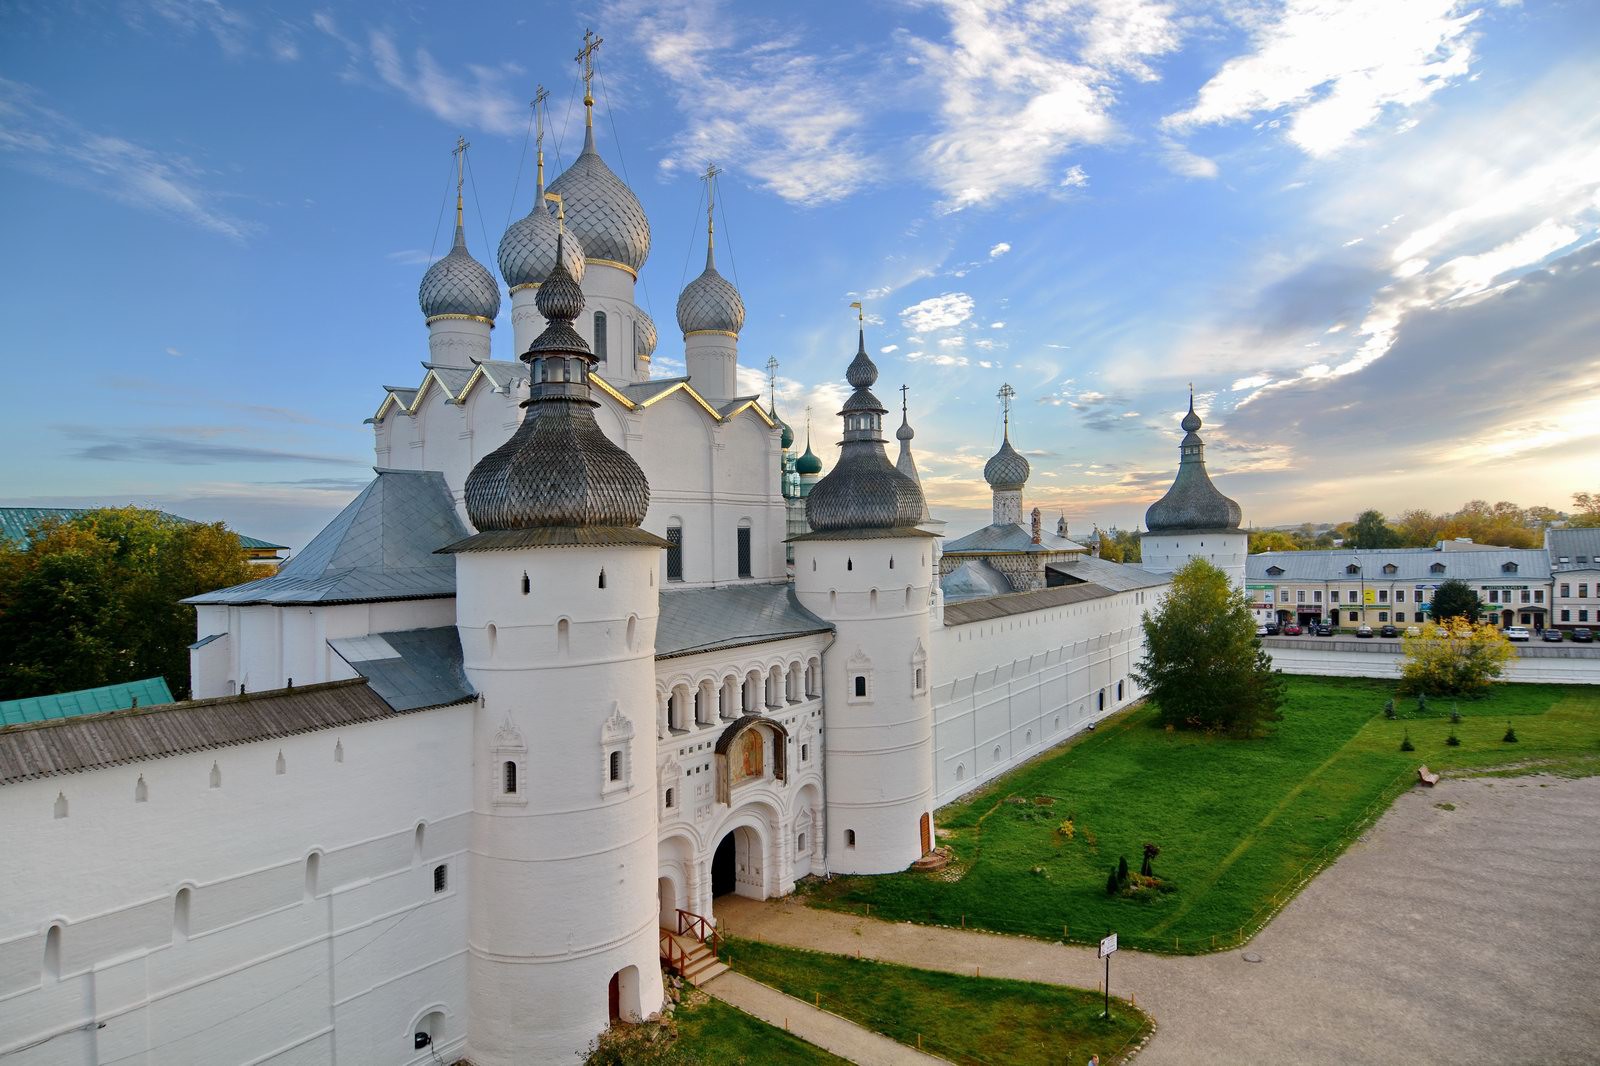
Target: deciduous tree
[(1458, 659), (1371, 531), (93, 600), (1454, 598), (1203, 664)]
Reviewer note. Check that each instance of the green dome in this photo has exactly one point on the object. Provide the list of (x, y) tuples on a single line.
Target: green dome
[(808, 463), (788, 434)]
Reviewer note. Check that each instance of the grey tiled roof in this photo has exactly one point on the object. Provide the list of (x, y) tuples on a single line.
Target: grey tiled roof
[(696, 620), (1118, 577), (528, 248), (710, 302), (1006, 468), (1009, 537), (91, 742), (459, 285), (974, 579), (380, 547), (1014, 603), (1192, 504), (604, 213), (411, 669), (1572, 543), (1411, 564)]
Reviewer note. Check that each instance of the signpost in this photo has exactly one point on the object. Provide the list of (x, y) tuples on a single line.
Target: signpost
[(1107, 946)]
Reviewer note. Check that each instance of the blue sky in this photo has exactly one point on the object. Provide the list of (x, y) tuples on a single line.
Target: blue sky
[(1366, 232)]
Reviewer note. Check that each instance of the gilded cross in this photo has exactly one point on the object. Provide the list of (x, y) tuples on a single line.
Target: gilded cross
[(1005, 394), (710, 178), (540, 95), (586, 57), (861, 315), (903, 390), (461, 157)]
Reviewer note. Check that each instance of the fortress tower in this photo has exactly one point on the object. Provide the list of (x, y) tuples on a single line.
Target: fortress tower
[(867, 568), (1193, 520), (557, 597)]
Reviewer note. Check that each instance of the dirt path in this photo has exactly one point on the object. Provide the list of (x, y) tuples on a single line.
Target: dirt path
[(1451, 936)]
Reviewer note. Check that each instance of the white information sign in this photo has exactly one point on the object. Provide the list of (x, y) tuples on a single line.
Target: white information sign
[(1108, 945)]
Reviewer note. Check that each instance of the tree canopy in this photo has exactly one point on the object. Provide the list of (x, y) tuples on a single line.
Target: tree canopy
[(1203, 664), (93, 600), (1454, 659), (1455, 598), (1371, 531), (1119, 545)]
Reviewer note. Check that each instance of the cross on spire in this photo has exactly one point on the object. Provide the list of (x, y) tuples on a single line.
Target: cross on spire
[(903, 390), (861, 315), (710, 178), (540, 95), (772, 379), (1005, 394), (460, 153), (586, 57)]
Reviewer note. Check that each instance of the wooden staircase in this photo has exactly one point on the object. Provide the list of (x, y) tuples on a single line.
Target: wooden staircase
[(689, 958)]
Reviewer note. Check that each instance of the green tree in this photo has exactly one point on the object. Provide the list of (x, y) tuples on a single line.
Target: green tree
[(93, 600), (1587, 509), (1454, 660), (1371, 531), (1273, 540), (1203, 664), (1454, 598)]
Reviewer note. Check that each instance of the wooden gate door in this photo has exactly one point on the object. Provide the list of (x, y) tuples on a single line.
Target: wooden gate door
[(927, 833)]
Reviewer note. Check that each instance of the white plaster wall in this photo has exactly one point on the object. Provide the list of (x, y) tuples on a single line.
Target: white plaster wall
[(267, 970), (1349, 658), (611, 289), (556, 667), (1163, 553), (1024, 683), (458, 342), (712, 362), (879, 750), (526, 321)]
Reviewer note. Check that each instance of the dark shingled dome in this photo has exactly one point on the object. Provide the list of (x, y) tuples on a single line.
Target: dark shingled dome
[(558, 468), (1192, 504), (1006, 469), (863, 490)]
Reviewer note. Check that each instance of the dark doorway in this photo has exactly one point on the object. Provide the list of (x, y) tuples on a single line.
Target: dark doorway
[(1507, 618), (722, 867), (614, 997)]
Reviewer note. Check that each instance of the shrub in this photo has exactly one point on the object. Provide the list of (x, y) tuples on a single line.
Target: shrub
[(1405, 742), (1122, 870), (1511, 735), (1422, 702), (1388, 710), (1452, 740), (1112, 884), (1460, 660), (1455, 714)]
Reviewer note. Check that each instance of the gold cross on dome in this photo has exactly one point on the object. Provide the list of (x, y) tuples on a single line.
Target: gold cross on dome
[(710, 178), (586, 57)]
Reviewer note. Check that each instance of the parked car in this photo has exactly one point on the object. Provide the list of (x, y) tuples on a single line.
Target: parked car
[(1389, 631), (1322, 629), (1413, 631), (1261, 630), (1272, 629), (1363, 630), (1518, 633), (1551, 636), (1291, 630), (1583, 636)]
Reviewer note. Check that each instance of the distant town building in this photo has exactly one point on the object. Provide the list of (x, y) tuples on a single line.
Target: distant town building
[(18, 523), (1575, 564)]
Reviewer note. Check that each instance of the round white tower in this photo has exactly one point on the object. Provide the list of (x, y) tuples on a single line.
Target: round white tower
[(610, 223), (459, 298), (866, 567), (711, 314), (556, 604), (1193, 520)]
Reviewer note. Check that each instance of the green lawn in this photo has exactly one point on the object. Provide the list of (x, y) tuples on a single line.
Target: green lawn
[(714, 1033), (963, 1019), (1241, 823)]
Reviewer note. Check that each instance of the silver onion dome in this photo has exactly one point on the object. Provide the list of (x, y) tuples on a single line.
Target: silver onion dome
[(1192, 504), (644, 334), (527, 251), (459, 285), (602, 212), (1006, 469), (710, 303), (864, 490), (559, 469), (905, 432)]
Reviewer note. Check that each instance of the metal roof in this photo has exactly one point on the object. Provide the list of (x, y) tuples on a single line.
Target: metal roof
[(1573, 543), (1000, 537), (1013, 603), (458, 284), (710, 302), (696, 620), (974, 579), (1118, 577), (92, 742), (1411, 564), (148, 693), (1192, 504), (411, 669), (380, 547), (16, 523)]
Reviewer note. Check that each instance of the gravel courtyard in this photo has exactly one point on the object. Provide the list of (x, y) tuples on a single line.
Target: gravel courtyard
[(1469, 935)]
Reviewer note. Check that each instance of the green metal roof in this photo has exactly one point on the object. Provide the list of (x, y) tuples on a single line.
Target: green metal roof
[(147, 693), (17, 522)]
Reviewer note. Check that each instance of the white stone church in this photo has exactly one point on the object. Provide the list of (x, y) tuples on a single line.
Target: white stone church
[(457, 775)]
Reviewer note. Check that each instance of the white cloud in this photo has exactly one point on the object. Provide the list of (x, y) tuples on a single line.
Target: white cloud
[(957, 341), (175, 353), (786, 117), (997, 325), (410, 257), (1075, 178), (1335, 65), (938, 312), (887, 348), (40, 139), (1181, 160), (998, 250)]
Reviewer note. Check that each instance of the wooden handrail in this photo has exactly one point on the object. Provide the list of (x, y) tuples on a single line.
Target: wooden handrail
[(701, 928), (677, 959)]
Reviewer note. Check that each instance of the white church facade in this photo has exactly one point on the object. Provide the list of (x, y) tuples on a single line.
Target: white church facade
[(544, 691)]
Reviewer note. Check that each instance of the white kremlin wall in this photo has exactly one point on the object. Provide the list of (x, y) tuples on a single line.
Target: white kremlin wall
[(282, 910), (1004, 690)]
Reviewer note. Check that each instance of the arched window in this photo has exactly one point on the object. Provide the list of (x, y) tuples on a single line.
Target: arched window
[(493, 633), (861, 686), (615, 767), (849, 838), (744, 553), (52, 954), (510, 776), (670, 799), (675, 550), (216, 776), (961, 771), (141, 791), (600, 335), (997, 753), (441, 877), (416, 842), (313, 872), (849, 564), (527, 583), (180, 912), (563, 636), (61, 804), (282, 767), (602, 578)]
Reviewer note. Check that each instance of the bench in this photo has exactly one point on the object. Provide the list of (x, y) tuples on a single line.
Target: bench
[(1427, 776)]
